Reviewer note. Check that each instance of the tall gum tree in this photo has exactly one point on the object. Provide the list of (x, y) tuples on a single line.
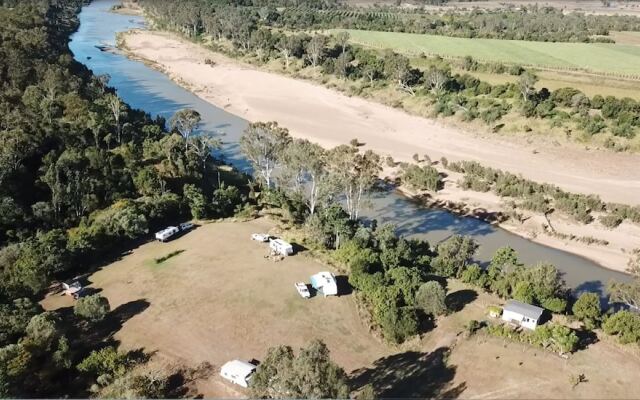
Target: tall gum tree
[(264, 144)]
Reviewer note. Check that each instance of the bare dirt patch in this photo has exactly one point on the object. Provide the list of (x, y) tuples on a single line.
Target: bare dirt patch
[(220, 299)]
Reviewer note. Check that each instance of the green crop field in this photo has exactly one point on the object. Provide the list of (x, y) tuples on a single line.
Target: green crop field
[(593, 57)]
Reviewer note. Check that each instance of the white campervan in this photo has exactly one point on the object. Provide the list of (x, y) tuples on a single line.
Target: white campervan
[(166, 233)]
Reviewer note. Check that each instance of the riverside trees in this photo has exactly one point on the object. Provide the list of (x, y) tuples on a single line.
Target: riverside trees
[(81, 174), (258, 33)]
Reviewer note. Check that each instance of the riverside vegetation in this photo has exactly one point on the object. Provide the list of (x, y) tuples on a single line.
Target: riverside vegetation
[(84, 177), (397, 279), (261, 33)]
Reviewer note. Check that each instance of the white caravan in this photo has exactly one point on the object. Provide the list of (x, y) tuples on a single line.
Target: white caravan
[(281, 247), (166, 233), (238, 372)]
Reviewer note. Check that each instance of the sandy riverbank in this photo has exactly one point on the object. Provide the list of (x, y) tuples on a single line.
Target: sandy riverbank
[(331, 118)]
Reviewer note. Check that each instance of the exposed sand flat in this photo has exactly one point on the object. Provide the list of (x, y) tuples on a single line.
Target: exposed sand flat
[(331, 118)]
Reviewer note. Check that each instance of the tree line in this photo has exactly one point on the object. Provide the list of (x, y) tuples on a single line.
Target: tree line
[(613, 121), (533, 23), (82, 175)]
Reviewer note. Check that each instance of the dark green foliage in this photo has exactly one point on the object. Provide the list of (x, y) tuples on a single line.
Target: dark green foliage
[(422, 177), (309, 374), (625, 325), (106, 362), (196, 201), (453, 255), (556, 338), (431, 298), (587, 309), (93, 308), (14, 318)]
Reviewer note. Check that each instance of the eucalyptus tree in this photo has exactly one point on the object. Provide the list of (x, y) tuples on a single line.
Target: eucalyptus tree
[(264, 143), (185, 122), (306, 166), (355, 174)]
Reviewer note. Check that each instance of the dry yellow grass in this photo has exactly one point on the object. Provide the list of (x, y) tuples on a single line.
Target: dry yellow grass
[(220, 299)]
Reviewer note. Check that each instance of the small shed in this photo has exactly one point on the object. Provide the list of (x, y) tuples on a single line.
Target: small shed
[(325, 282), (281, 247), (522, 314), (238, 372)]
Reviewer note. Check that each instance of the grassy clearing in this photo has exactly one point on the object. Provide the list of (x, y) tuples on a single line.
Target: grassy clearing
[(593, 57), (220, 302)]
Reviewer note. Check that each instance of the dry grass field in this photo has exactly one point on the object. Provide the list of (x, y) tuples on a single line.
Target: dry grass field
[(220, 299)]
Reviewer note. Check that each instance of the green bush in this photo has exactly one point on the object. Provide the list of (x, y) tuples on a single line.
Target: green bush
[(625, 325), (431, 298), (422, 178), (587, 309), (93, 308)]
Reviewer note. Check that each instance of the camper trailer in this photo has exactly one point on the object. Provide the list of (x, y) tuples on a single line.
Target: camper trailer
[(238, 372), (325, 282), (279, 246), (166, 233)]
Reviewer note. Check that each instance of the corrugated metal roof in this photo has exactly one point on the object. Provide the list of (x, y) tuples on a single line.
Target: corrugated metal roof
[(525, 309)]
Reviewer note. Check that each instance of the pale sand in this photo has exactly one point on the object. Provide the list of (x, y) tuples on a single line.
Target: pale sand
[(330, 118)]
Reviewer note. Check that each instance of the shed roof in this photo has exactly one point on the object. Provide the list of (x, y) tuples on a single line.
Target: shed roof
[(525, 309), (238, 368)]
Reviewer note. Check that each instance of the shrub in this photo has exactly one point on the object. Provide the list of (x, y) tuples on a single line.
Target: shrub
[(625, 325), (93, 308), (106, 361), (431, 298), (610, 221), (422, 178), (587, 309)]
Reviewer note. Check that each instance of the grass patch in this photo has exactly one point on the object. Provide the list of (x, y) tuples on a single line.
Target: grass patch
[(596, 57), (166, 257)]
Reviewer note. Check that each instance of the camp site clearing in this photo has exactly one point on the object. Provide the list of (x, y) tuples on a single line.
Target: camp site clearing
[(219, 299)]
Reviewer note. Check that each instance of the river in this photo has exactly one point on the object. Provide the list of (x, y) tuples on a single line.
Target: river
[(147, 89)]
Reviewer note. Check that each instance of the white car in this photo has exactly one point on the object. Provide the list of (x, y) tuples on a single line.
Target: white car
[(303, 290), (185, 226), (260, 237)]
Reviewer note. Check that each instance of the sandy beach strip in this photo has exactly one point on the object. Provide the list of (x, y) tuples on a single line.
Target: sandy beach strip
[(330, 118)]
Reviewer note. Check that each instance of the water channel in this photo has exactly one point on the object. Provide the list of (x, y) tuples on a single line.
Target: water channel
[(147, 89)]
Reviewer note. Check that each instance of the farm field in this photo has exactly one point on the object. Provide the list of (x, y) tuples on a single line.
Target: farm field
[(218, 299), (592, 57)]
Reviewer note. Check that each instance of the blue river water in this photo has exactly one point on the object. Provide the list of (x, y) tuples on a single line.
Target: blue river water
[(147, 89)]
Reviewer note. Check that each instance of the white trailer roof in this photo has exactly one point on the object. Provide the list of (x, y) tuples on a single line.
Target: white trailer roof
[(238, 368)]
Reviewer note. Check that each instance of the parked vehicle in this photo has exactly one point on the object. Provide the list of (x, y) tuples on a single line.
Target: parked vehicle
[(185, 226), (325, 283), (281, 247), (166, 233), (238, 372), (303, 290)]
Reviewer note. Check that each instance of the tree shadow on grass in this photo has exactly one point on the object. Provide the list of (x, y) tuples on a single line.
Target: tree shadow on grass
[(456, 301), (100, 334), (409, 375)]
